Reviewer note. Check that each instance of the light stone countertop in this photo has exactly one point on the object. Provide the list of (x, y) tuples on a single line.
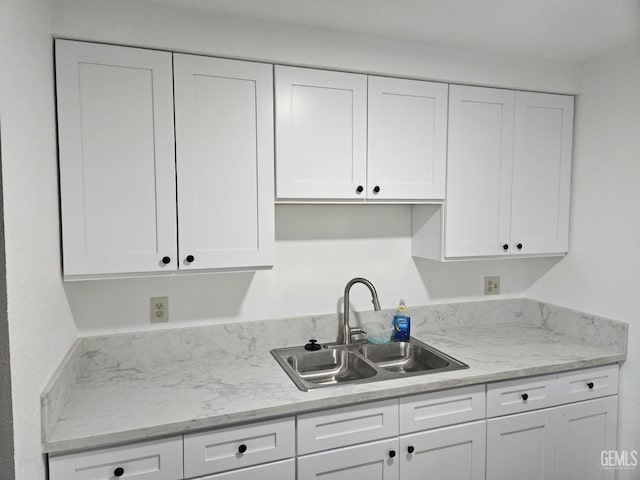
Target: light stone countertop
[(138, 386)]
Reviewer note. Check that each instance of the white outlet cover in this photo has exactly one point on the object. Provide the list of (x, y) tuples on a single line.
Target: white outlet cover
[(159, 309)]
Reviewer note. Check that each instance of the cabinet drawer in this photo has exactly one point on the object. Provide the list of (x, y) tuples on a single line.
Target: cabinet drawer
[(238, 447), (587, 384), (284, 470), (438, 409), (524, 394), (158, 460), (347, 426)]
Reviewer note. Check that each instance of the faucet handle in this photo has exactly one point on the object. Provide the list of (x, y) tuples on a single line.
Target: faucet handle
[(313, 345)]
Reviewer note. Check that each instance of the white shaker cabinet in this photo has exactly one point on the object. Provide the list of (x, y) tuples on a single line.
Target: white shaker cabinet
[(585, 429), (478, 207), (120, 163), (407, 139), (117, 168), (522, 446), (321, 134), (543, 141), (370, 461), (456, 452), (508, 177), (224, 152)]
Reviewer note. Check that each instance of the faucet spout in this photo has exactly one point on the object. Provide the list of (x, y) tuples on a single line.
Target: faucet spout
[(346, 332)]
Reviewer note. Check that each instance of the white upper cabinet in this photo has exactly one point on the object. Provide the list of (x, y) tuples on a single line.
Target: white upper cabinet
[(224, 150), (119, 162), (479, 171), (407, 139), (541, 173), (321, 134), (508, 177), (117, 168)]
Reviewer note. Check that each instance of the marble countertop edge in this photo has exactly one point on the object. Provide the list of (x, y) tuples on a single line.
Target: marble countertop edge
[(59, 446)]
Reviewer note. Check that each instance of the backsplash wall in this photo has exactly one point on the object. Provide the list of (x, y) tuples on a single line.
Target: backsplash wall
[(318, 249)]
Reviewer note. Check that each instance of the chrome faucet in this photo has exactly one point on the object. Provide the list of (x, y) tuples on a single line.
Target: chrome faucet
[(345, 331)]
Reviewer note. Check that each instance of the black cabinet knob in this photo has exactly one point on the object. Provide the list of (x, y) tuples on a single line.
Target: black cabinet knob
[(590, 385), (411, 449), (190, 258), (118, 472), (359, 189), (519, 246), (392, 453), (376, 189), (242, 448), (166, 260), (505, 247), (525, 396)]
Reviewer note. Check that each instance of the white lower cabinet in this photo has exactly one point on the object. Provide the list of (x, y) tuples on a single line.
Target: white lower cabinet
[(456, 452), (285, 470), (370, 461), (585, 429), (521, 446)]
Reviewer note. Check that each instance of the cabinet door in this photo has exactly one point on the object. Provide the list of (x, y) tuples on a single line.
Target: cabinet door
[(407, 154), (284, 470), (370, 461), (541, 173), (585, 429), (478, 205), (522, 446), (446, 453), (117, 166), (321, 134), (224, 147)]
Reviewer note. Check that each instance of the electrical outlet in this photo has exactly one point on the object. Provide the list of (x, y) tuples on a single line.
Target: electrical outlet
[(159, 309), (491, 285)]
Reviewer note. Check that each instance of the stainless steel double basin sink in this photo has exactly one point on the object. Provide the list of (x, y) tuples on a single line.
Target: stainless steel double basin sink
[(336, 364)]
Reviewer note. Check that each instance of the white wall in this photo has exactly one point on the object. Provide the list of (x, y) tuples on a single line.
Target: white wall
[(41, 328), (147, 24), (318, 249), (601, 274)]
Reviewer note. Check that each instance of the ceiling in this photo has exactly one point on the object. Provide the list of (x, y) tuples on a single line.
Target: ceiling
[(572, 30)]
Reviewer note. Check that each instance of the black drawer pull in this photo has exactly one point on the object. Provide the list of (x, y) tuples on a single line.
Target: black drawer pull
[(590, 385), (242, 448), (525, 397), (118, 472), (411, 449), (392, 453)]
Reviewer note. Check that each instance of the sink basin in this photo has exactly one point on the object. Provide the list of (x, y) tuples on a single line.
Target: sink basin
[(349, 364), (329, 367), (404, 357)]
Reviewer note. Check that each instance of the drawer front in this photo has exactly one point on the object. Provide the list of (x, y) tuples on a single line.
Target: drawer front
[(524, 394), (158, 460), (587, 384), (284, 470), (438, 409), (238, 447), (347, 426)]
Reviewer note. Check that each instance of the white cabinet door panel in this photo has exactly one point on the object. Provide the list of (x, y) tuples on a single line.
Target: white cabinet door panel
[(117, 165), (480, 154), (224, 146), (407, 139), (541, 173), (585, 429), (370, 461), (284, 470), (522, 446), (447, 453), (321, 133)]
